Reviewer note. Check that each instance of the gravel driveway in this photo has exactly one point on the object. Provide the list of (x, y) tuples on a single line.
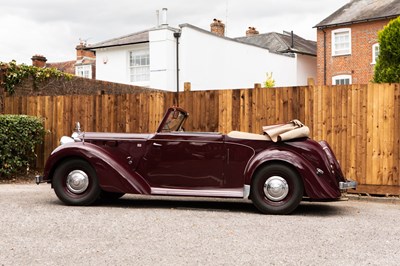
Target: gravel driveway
[(36, 229)]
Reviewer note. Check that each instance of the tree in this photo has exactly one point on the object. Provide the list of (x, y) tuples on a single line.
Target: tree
[(387, 68)]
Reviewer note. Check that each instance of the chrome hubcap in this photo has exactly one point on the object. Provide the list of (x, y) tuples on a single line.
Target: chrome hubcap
[(276, 188), (77, 181)]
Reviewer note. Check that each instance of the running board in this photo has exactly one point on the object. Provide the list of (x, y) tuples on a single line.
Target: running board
[(224, 193)]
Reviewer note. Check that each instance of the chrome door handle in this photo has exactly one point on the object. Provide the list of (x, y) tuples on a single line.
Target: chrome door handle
[(156, 144)]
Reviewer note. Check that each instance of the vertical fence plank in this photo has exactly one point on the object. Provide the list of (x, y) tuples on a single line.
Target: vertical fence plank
[(396, 135), (361, 122)]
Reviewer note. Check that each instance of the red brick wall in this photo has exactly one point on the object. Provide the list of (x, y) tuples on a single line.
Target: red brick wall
[(358, 64), (77, 85)]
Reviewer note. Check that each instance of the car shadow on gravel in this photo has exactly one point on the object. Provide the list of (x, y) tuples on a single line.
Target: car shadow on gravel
[(321, 209), (181, 204), (217, 205)]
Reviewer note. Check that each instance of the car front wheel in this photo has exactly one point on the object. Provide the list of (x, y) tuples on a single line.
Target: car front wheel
[(276, 189), (75, 183)]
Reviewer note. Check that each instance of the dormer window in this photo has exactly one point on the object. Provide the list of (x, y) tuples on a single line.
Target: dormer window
[(341, 42)]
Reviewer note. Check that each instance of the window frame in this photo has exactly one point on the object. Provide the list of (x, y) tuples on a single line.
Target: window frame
[(333, 48), (143, 54), (374, 56), (82, 69), (341, 77)]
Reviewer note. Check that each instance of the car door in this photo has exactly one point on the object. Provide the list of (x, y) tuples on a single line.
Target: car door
[(179, 160)]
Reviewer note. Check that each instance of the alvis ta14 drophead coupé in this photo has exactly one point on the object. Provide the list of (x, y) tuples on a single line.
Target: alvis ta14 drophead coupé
[(276, 169)]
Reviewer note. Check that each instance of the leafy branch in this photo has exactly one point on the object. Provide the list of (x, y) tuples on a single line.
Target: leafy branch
[(15, 74)]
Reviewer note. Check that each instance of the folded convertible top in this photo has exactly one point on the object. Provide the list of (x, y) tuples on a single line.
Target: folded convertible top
[(292, 130)]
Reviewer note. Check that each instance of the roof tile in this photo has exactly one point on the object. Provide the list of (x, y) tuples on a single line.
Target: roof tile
[(358, 11)]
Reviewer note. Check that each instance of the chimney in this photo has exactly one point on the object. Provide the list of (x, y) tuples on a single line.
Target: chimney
[(38, 60), (81, 52), (251, 32), (164, 17), (217, 27)]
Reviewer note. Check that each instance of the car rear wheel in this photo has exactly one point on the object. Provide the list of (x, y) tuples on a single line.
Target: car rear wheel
[(276, 189), (75, 183)]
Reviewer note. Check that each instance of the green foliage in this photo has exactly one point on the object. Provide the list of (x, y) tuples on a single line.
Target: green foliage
[(387, 68), (15, 74), (19, 135), (269, 82)]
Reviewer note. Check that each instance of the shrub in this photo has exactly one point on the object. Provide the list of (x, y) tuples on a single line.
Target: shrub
[(269, 82), (19, 135), (387, 68)]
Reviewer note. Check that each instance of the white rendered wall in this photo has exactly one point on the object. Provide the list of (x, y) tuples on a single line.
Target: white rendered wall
[(112, 64), (162, 59), (206, 61), (212, 62), (306, 68)]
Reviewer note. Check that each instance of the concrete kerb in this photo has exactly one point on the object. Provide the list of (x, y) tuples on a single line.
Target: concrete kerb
[(369, 198)]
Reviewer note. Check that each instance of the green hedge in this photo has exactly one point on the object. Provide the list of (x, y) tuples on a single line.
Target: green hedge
[(19, 135)]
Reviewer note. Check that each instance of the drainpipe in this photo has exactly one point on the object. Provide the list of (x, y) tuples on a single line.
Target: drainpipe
[(324, 55), (177, 35)]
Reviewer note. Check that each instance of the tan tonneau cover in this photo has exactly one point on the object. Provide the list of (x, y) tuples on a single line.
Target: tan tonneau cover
[(292, 130)]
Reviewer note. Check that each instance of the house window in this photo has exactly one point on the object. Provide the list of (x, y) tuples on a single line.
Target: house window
[(341, 42), (341, 80), (84, 71), (139, 64), (375, 52)]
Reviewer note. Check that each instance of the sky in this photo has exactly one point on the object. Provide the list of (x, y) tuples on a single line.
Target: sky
[(53, 28)]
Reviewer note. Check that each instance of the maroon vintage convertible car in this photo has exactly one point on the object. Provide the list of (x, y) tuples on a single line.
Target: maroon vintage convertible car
[(276, 169)]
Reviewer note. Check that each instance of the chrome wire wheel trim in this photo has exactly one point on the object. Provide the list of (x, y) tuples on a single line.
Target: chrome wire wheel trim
[(77, 181), (276, 188)]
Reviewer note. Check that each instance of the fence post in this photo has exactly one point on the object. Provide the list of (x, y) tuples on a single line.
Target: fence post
[(187, 86), (257, 85)]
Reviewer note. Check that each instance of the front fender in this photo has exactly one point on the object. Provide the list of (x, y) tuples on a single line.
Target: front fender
[(111, 172), (315, 186)]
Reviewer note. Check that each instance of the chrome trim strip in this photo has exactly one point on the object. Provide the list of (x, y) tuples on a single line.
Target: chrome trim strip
[(246, 191), (227, 193), (189, 140), (347, 185)]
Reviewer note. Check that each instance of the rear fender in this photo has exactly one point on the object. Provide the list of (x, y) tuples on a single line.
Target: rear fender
[(112, 174), (315, 186)]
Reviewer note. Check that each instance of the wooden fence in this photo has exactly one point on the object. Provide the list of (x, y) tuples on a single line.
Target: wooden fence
[(361, 122)]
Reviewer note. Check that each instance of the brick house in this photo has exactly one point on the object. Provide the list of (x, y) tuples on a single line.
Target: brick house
[(84, 65), (347, 41)]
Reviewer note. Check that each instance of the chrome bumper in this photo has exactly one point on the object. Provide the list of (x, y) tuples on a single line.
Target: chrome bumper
[(347, 185), (39, 179)]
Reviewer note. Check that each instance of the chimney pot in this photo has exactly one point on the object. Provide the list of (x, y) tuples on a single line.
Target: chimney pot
[(217, 27), (164, 16), (38, 60), (251, 32)]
